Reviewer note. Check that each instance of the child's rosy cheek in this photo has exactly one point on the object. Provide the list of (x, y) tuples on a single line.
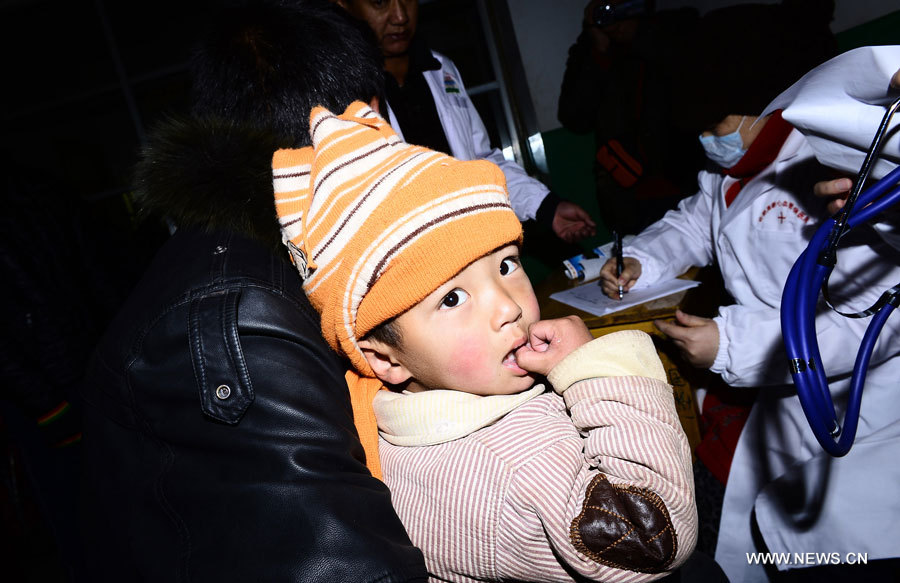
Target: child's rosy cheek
[(468, 359)]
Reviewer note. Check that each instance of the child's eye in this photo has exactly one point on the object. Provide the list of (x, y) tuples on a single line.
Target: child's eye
[(455, 298), (509, 265)]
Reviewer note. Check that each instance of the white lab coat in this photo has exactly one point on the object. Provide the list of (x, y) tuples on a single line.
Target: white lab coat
[(469, 140), (804, 500), (854, 83)]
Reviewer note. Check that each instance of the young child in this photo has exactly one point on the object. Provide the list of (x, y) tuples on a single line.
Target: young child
[(411, 258)]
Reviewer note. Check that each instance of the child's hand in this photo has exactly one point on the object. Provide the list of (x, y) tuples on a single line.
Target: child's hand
[(550, 341)]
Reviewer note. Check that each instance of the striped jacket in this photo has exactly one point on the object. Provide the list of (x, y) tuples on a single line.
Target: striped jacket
[(595, 481)]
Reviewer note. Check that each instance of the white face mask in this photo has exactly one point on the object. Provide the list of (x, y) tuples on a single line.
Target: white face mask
[(725, 150)]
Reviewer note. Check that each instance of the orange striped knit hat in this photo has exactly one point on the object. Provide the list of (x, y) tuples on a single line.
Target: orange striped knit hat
[(374, 225)]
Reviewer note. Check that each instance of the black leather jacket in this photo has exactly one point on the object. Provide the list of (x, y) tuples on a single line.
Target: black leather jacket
[(219, 441)]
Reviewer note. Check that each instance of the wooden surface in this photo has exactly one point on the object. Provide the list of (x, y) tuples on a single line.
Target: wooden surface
[(681, 375)]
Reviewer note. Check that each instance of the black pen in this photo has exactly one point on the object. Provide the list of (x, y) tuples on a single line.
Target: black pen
[(620, 261)]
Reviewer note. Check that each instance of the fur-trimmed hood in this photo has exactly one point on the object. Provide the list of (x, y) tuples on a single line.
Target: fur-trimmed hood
[(211, 174)]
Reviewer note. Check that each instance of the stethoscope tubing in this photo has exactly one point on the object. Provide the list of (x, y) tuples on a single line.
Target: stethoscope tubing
[(798, 310)]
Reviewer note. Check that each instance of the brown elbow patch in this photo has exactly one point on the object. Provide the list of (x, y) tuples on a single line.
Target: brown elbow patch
[(624, 527)]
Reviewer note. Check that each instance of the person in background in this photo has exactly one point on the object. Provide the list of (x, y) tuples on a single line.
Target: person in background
[(412, 259), (783, 493), (219, 441), (427, 105), (618, 83)]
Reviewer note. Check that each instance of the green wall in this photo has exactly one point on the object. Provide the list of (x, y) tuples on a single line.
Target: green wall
[(570, 159), (881, 31)]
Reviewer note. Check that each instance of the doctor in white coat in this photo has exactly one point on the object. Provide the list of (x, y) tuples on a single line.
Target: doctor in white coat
[(464, 134), (809, 508)]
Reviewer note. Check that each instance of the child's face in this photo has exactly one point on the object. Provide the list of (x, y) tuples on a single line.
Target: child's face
[(464, 335)]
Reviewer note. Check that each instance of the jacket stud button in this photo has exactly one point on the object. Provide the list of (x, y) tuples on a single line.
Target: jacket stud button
[(223, 392), (220, 249)]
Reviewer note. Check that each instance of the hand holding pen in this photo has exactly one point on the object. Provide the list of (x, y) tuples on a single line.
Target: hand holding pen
[(619, 274)]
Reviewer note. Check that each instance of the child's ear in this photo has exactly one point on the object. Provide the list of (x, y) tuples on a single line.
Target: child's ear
[(383, 360)]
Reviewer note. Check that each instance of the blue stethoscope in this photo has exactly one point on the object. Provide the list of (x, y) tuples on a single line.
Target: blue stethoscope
[(808, 276)]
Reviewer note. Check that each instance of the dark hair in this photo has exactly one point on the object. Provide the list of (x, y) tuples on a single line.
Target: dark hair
[(769, 47), (267, 63), (386, 333)]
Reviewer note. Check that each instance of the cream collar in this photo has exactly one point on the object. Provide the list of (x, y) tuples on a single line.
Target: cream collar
[(439, 416)]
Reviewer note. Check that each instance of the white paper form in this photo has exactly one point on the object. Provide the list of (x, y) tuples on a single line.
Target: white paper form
[(589, 297)]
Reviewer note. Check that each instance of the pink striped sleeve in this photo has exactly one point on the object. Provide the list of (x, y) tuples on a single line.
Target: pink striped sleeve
[(635, 440), (499, 504)]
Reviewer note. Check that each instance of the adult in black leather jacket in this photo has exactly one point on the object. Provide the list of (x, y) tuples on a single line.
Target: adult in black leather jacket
[(219, 442)]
